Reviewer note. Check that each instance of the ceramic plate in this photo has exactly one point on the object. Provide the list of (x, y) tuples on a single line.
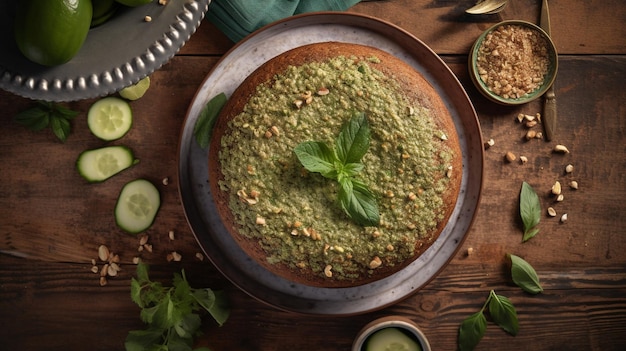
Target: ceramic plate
[(115, 54), (202, 214)]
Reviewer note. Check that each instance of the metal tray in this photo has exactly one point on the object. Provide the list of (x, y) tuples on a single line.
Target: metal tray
[(115, 54), (200, 209)]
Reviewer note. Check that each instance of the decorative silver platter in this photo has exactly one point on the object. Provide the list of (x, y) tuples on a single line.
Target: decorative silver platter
[(115, 54), (197, 199)]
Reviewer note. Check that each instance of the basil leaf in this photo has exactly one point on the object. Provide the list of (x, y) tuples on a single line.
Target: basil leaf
[(530, 211), (524, 275), (503, 313), (60, 127), (206, 120), (472, 331), (359, 203), (317, 157), (34, 118), (353, 140)]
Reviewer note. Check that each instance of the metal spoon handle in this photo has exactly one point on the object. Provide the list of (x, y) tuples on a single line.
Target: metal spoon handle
[(549, 106)]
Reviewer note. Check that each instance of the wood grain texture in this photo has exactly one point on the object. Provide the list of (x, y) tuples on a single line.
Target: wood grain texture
[(51, 221)]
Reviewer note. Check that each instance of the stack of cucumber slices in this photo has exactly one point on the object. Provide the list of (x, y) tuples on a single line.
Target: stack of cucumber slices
[(109, 119)]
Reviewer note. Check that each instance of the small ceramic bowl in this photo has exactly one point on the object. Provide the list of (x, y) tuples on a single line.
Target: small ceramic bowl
[(487, 91), (403, 324)]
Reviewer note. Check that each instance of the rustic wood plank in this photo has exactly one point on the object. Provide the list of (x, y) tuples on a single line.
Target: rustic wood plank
[(590, 27), (34, 296)]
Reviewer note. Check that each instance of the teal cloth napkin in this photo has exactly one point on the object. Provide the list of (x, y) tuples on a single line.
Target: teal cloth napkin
[(238, 18)]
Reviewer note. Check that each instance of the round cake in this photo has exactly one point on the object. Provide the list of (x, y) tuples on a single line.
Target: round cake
[(296, 222)]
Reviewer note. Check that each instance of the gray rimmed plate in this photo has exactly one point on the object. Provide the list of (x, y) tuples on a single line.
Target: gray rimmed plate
[(115, 54), (197, 199)]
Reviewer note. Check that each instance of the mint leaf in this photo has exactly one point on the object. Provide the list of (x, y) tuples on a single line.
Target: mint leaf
[(353, 140), (206, 120), (343, 165), (359, 203), (503, 313), (472, 330), (524, 275), (317, 157), (530, 211)]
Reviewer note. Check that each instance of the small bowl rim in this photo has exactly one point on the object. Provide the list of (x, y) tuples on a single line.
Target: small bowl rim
[(551, 75), (390, 322)]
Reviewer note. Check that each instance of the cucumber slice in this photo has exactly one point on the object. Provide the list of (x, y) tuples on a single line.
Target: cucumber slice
[(391, 339), (97, 165), (110, 118), (137, 206)]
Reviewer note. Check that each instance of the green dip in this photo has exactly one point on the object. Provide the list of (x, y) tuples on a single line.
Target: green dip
[(294, 214)]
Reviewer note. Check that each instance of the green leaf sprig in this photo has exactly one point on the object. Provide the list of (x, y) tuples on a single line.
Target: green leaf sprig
[(170, 312), (502, 312), (46, 114), (524, 275), (343, 163), (206, 120), (530, 211)]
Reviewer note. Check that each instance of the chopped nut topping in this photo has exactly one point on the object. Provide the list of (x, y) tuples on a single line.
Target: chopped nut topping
[(328, 271), (260, 220), (375, 262), (323, 91)]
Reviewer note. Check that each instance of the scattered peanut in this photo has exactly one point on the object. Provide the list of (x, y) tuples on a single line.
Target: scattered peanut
[(561, 148), (165, 181), (551, 211), (569, 168), (573, 184), (510, 157), (103, 253), (470, 251), (531, 134), (170, 235), (147, 19), (523, 159), (564, 218), (560, 198), (556, 188), (489, 144), (199, 256)]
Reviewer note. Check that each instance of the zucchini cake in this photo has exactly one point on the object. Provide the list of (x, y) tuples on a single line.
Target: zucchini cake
[(289, 219)]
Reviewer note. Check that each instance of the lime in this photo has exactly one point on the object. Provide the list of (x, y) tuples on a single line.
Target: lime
[(136, 91), (134, 3), (51, 32)]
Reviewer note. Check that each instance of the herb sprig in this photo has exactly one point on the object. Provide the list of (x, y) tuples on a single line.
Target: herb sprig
[(170, 312), (46, 114), (343, 164), (502, 312)]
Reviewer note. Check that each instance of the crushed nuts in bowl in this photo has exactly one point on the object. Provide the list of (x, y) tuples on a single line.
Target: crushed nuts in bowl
[(513, 62)]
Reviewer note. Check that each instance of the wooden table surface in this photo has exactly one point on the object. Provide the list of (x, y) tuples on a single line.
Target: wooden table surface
[(52, 222)]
